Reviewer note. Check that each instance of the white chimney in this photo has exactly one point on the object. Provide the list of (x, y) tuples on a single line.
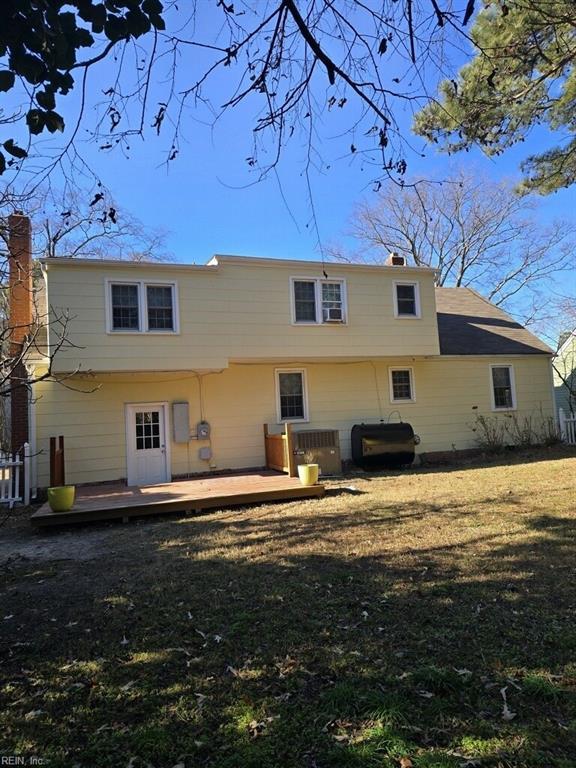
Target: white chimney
[(395, 260)]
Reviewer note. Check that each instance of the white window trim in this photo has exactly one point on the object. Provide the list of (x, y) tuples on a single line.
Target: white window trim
[(277, 373), (410, 369), (501, 409), (416, 285), (142, 307), (318, 282)]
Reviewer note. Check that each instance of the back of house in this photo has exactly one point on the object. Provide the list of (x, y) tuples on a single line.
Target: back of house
[(159, 371)]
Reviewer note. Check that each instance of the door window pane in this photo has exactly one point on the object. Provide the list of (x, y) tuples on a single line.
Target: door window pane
[(125, 311), (304, 301), (160, 309), (147, 430), (291, 387)]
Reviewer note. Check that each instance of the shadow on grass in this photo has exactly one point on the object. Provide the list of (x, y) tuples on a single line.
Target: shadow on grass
[(346, 490), (508, 457), (211, 648)]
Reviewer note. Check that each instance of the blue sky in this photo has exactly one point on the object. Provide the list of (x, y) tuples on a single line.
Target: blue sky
[(208, 200)]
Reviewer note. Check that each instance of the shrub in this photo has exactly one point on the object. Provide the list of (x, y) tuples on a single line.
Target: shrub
[(495, 433), (491, 433)]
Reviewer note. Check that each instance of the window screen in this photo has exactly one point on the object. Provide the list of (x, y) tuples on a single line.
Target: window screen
[(125, 311), (332, 301)]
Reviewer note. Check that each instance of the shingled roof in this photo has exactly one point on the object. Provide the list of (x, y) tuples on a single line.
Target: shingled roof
[(468, 324)]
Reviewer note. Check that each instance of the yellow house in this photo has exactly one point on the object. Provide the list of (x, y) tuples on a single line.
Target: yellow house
[(165, 370), (245, 342)]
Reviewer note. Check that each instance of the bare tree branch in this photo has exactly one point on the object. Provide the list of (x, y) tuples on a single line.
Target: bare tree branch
[(473, 232)]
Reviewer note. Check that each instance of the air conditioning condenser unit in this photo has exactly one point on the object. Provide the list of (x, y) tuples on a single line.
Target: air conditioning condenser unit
[(318, 446)]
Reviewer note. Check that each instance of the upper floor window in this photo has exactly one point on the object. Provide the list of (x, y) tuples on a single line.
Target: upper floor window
[(503, 389), (318, 301), (160, 307), (140, 307), (125, 307), (304, 301), (406, 299)]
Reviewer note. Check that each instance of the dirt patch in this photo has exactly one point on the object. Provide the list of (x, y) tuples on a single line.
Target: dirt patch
[(76, 545)]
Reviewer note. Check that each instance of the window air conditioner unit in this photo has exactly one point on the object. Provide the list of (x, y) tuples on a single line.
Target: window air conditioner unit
[(333, 315)]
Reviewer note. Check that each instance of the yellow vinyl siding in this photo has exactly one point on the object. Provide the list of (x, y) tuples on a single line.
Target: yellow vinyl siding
[(237, 311), (450, 393)]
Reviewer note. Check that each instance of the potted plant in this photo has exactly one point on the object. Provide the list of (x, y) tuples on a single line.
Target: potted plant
[(61, 497), (308, 471)]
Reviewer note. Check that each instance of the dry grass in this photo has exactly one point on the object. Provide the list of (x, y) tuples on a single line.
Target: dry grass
[(426, 616)]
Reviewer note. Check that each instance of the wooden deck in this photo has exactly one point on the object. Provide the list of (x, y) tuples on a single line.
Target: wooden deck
[(105, 502)]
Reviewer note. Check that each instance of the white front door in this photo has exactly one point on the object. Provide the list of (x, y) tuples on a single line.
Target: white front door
[(146, 447)]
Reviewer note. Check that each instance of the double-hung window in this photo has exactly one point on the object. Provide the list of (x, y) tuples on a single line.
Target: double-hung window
[(304, 301), (142, 307), (125, 303), (291, 395), (316, 301), (406, 299), (160, 307), (401, 385), (503, 389)]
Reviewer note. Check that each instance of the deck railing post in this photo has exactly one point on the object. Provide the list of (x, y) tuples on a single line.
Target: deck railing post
[(290, 461), (57, 469)]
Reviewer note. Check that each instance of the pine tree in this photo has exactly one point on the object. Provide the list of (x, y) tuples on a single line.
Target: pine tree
[(521, 76)]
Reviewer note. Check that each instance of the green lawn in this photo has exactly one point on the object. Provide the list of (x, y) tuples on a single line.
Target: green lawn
[(424, 619)]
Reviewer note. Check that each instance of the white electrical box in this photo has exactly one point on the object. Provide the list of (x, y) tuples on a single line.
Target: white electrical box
[(181, 422), (205, 453)]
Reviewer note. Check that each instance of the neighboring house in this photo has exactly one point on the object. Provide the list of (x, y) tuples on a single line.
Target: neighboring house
[(240, 342), (565, 373)]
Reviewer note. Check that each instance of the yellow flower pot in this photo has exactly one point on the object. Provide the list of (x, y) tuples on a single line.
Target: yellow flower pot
[(61, 498), (308, 473)]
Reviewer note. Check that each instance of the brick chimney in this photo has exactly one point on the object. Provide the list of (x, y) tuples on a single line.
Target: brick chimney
[(21, 317)]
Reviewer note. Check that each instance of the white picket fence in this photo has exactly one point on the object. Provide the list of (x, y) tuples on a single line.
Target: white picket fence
[(567, 427), (12, 465)]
